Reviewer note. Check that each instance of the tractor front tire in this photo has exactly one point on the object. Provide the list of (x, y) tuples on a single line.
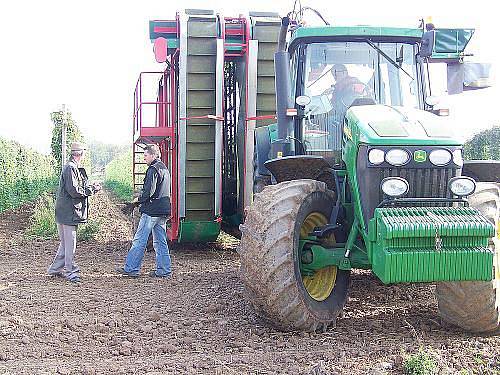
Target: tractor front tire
[(270, 261), (475, 305)]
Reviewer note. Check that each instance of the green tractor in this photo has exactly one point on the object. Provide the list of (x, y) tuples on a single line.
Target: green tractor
[(365, 175)]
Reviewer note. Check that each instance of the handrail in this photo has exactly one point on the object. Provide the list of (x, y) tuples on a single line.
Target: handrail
[(161, 105), (140, 106)]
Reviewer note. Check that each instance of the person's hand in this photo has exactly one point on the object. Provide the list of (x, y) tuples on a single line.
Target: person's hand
[(135, 201), (96, 186)]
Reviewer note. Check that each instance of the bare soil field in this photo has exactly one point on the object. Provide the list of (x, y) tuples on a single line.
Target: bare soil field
[(199, 321)]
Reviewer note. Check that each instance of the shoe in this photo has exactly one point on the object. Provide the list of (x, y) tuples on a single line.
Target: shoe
[(55, 274), (122, 271), (154, 274), (75, 279)]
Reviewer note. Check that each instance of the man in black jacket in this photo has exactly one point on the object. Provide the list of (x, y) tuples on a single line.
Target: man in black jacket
[(155, 209), (71, 210)]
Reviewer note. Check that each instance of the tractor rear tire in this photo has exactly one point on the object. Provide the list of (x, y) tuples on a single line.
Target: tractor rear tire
[(270, 261), (475, 305)]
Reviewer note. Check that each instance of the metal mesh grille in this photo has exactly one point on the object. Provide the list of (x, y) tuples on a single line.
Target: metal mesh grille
[(424, 182)]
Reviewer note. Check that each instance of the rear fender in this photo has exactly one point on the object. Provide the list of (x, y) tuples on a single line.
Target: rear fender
[(301, 167)]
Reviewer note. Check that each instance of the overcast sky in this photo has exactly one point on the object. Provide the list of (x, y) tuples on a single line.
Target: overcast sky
[(88, 55)]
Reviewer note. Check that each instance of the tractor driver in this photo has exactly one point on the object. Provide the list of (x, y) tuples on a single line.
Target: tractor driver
[(346, 90)]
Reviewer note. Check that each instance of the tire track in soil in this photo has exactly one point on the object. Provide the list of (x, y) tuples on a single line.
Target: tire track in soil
[(198, 321)]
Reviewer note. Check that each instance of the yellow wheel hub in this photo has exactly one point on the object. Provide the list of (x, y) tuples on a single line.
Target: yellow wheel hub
[(320, 285)]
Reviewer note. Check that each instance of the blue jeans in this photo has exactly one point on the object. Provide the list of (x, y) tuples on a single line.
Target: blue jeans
[(136, 252)]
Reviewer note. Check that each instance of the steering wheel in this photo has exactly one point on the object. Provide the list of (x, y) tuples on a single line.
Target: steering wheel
[(347, 96)]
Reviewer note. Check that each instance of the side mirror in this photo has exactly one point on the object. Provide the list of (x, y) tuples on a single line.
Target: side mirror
[(476, 76), (303, 100), (427, 44), (467, 76)]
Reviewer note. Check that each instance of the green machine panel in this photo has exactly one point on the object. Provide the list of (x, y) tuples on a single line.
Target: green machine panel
[(198, 231), (422, 244), (201, 67)]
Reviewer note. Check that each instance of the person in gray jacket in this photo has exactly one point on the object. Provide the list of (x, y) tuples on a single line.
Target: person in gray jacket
[(71, 210)]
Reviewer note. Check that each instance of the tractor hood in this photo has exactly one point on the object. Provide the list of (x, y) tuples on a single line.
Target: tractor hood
[(382, 125)]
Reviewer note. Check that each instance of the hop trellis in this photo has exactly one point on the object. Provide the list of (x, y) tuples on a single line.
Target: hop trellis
[(24, 174)]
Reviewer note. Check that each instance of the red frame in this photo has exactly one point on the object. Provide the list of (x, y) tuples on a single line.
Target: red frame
[(244, 31), (164, 133)]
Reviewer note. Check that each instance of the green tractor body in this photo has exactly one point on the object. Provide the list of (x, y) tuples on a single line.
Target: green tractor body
[(406, 244), (364, 180)]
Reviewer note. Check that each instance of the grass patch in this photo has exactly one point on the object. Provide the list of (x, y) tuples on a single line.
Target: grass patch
[(121, 190), (43, 222), (88, 231), (420, 363), (118, 176)]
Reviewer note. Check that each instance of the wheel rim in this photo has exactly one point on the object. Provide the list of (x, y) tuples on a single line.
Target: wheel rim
[(320, 285)]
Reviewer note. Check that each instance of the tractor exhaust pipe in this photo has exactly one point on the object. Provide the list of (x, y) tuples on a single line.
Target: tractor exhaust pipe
[(281, 147)]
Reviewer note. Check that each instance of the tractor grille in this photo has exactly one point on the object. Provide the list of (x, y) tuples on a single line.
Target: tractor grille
[(425, 180), (424, 183)]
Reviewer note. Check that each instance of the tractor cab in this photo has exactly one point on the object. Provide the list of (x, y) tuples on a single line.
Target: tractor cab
[(363, 67)]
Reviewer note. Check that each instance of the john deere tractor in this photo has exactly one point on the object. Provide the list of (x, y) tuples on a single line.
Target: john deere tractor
[(363, 174)]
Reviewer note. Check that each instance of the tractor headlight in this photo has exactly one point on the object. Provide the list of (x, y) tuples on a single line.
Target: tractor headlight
[(376, 156), (397, 157), (457, 158), (440, 157), (462, 186), (394, 186)]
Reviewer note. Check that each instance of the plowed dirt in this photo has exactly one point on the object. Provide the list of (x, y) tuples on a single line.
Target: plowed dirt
[(199, 321)]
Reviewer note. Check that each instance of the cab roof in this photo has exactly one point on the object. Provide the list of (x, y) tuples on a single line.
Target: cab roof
[(339, 32)]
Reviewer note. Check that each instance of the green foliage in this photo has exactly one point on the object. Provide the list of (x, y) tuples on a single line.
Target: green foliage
[(484, 145), (421, 363), (118, 176), (88, 231), (102, 153), (73, 134), (24, 174), (43, 221)]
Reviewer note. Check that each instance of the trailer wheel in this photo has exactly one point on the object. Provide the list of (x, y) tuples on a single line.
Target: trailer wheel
[(475, 305), (270, 259)]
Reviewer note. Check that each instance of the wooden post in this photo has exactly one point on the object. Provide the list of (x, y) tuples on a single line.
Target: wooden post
[(63, 138)]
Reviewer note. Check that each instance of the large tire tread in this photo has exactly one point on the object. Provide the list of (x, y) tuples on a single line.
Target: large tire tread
[(267, 265), (475, 305)]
